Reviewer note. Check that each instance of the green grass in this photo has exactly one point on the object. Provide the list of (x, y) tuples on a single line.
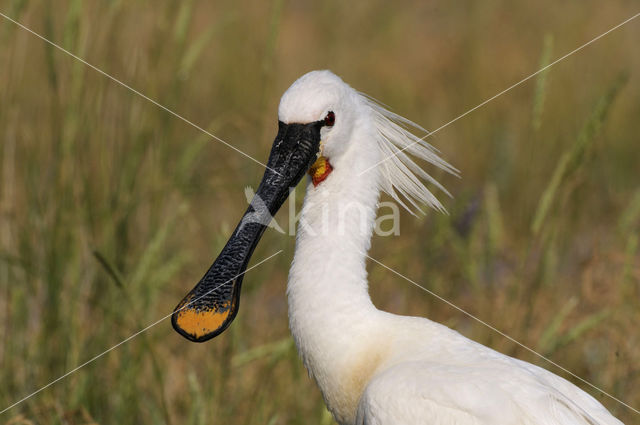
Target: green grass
[(111, 208)]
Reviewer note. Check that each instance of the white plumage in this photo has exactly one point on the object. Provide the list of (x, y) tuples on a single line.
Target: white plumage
[(373, 367)]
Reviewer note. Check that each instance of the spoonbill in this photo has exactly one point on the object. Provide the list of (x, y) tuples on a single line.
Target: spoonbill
[(372, 367)]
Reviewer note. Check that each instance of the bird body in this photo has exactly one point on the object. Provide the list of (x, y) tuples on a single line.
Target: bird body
[(374, 367)]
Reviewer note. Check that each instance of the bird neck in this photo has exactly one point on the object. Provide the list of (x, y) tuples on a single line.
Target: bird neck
[(330, 310), (328, 276)]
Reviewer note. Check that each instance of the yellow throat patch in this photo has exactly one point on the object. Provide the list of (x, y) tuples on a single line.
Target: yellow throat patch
[(320, 170)]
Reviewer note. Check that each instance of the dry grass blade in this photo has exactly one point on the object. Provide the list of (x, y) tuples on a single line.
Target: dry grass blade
[(574, 158)]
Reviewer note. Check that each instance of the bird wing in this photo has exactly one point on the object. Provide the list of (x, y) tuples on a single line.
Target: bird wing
[(423, 392)]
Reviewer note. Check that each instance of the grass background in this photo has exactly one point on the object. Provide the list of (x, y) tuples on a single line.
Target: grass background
[(111, 209)]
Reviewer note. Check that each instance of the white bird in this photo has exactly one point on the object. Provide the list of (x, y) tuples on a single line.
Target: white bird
[(372, 367)]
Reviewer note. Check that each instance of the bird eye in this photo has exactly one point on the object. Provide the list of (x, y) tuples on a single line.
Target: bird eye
[(330, 119)]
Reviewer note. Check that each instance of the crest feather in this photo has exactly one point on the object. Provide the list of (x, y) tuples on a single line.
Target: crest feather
[(402, 178)]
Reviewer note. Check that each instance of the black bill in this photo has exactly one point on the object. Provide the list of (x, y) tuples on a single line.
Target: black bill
[(210, 307)]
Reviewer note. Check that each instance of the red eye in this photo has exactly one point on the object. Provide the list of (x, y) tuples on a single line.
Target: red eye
[(330, 119)]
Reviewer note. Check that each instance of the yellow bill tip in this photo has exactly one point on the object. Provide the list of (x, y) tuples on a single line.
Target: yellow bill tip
[(200, 325)]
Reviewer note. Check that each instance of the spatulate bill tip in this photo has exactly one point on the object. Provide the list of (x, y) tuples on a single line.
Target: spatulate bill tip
[(200, 322)]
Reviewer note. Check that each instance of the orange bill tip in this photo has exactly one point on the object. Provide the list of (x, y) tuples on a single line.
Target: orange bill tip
[(200, 325)]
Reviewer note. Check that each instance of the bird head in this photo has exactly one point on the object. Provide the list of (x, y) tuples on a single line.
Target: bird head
[(321, 96), (318, 116)]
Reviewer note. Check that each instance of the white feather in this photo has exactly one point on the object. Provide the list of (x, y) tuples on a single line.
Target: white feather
[(401, 176)]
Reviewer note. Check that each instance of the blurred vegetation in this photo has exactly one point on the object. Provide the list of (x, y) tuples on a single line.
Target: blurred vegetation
[(111, 208)]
